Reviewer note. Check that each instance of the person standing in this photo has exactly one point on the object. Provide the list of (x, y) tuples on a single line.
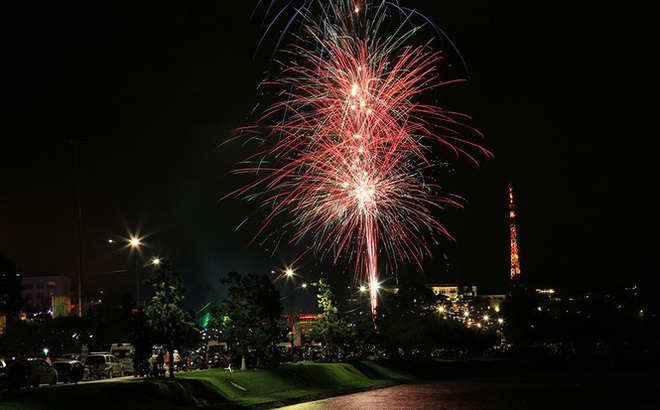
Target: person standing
[(77, 373), (166, 360), (160, 359), (178, 362)]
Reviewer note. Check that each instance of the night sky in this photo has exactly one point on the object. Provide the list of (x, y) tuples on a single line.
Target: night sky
[(565, 93)]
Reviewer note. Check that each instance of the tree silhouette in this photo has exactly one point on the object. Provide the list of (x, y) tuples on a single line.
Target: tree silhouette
[(251, 318), (331, 329), (172, 325)]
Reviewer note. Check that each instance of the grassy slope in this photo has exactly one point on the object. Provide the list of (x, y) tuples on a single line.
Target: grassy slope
[(214, 389)]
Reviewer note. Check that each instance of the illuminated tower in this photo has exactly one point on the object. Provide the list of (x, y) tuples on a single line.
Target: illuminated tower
[(515, 277)]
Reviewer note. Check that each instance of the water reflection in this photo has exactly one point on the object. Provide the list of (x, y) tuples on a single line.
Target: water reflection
[(393, 398), (555, 391)]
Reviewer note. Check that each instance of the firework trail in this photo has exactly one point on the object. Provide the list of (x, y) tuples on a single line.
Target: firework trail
[(345, 150)]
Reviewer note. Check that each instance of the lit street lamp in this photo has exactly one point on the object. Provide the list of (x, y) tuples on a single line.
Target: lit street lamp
[(135, 243), (289, 273), (154, 262), (76, 142)]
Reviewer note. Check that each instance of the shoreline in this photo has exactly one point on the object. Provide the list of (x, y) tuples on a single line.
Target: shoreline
[(292, 383)]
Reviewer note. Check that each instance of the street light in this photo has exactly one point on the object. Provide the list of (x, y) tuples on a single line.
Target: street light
[(154, 262), (135, 243), (76, 142), (289, 273)]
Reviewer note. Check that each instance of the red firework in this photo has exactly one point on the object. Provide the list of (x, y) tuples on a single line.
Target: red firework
[(344, 152)]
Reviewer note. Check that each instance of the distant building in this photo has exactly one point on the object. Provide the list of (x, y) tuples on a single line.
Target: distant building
[(493, 302), (450, 290), (299, 327), (47, 293), (548, 292)]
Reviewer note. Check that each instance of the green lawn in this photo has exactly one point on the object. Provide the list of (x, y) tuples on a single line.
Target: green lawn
[(213, 389)]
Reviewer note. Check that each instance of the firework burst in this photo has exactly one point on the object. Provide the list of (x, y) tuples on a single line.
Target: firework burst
[(344, 151)]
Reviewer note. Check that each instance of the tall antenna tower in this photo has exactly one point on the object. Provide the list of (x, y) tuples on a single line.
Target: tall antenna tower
[(515, 275)]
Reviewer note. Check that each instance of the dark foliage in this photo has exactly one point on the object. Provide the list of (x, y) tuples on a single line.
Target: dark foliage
[(251, 317)]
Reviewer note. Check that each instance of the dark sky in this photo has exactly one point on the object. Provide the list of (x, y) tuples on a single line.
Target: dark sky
[(565, 93)]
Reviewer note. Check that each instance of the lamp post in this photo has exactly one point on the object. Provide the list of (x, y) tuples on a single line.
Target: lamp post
[(154, 262), (76, 142), (289, 274), (135, 243)]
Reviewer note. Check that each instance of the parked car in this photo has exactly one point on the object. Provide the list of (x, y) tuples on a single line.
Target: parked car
[(124, 352), (70, 371), (70, 356), (104, 365), (38, 371)]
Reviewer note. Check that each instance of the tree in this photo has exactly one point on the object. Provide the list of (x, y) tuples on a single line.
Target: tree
[(406, 320), (63, 334), (330, 329), (106, 323), (362, 321), (142, 337), (520, 311), (11, 300), (251, 317), (172, 326)]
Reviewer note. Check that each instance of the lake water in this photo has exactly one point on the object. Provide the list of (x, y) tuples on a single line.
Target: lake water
[(551, 391)]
